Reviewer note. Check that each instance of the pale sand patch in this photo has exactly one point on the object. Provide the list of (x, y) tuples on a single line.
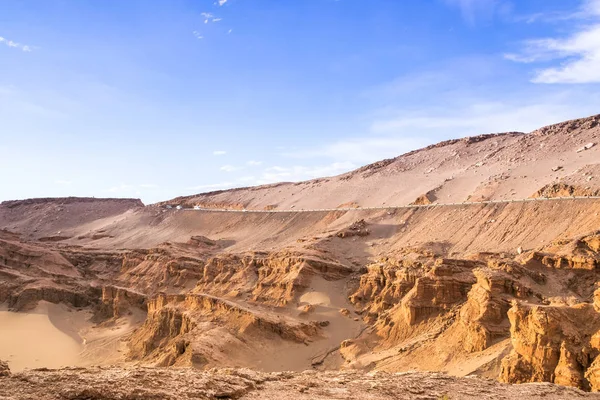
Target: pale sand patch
[(31, 340), (316, 298)]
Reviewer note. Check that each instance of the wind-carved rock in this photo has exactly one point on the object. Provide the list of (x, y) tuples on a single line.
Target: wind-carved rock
[(553, 344), (4, 369), (175, 324), (582, 253), (275, 279), (484, 314), (117, 301)]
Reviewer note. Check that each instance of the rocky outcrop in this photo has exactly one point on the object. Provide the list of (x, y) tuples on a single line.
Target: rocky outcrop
[(581, 253), (118, 301), (175, 322), (420, 288), (27, 298), (270, 278), (564, 190), (484, 315), (358, 228), (153, 269), (386, 282), (425, 199), (71, 200), (191, 384), (4, 369), (552, 344), (446, 285)]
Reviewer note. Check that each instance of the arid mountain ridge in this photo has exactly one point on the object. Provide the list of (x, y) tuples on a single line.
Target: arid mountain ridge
[(494, 166), (503, 291)]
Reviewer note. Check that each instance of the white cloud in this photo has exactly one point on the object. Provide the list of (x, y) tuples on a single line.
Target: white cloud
[(207, 16), (219, 153), (363, 150), (217, 19), (254, 163), (579, 51), (299, 172), (229, 31), (474, 10), (198, 35), (15, 45), (221, 2), (490, 116), (229, 168)]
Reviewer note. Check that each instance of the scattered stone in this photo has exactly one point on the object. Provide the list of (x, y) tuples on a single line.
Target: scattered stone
[(4, 369), (307, 309), (345, 312), (358, 228), (557, 168), (586, 147)]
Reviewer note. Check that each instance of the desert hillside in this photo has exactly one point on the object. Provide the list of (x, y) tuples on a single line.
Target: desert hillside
[(556, 160), (465, 294)]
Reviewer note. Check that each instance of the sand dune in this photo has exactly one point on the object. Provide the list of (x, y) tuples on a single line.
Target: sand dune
[(31, 340)]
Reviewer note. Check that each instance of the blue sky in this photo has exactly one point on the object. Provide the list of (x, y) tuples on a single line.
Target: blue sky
[(155, 99)]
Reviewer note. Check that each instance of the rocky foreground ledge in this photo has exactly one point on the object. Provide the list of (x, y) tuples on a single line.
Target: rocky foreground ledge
[(181, 384)]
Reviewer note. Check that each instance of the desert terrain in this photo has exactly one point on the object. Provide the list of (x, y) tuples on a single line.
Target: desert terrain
[(112, 299)]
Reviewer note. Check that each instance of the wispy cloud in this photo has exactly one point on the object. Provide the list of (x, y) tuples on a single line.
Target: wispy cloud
[(209, 17), (229, 168), (15, 45), (299, 172), (476, 10), (254, 163), (219, 153), (578, 52), (361, 150), (197, 35), (221, 2)]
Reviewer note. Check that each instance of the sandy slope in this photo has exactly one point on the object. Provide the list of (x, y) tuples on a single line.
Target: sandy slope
[(503, 166)]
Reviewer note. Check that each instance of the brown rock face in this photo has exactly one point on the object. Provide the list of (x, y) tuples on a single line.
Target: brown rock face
[(552, 344), (270, 278), (386, 283), (358, 228), (564, 190), (191, 384), (580, 253), (4, 370), (176, 324), (419, 288), (484, 314), (116, 301)]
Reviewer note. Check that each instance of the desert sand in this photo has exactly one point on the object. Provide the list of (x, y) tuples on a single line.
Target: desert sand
[(31, 340)]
